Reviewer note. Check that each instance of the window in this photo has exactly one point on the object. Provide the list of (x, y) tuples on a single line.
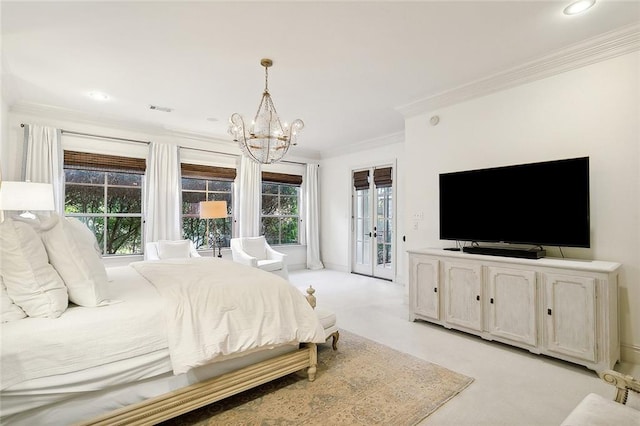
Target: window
[(280, 208), (105, 192), (206, 183)]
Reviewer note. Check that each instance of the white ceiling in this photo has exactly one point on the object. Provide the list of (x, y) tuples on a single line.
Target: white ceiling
[(342, 67)]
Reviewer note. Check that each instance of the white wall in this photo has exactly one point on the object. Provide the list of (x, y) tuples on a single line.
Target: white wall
[(4, 139), (592, 111), (335, 204)]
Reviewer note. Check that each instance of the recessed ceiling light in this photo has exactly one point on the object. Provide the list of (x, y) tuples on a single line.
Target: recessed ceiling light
[(579, 7), (99, 96)]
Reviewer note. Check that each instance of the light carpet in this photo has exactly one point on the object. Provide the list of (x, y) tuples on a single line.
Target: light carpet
[(362, 383)]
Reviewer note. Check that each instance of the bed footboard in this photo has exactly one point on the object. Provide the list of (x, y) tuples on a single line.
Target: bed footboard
[(189, 398)]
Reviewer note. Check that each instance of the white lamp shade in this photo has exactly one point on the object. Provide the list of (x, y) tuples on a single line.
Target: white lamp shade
[(213, 209), (26, 196)]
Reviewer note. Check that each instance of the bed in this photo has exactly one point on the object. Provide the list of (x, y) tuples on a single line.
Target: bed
[(164, 337)]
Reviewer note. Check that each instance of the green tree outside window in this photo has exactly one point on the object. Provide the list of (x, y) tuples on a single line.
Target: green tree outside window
[(280, 213)]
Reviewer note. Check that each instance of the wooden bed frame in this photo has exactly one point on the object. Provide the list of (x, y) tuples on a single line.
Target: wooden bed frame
[(189, 398)]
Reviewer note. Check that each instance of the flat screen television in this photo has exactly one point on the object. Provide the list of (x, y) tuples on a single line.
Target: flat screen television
[(544, 203)]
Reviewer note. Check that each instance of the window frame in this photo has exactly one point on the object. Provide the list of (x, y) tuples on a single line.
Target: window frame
[(105, 164), (207, 174), (282, 180)]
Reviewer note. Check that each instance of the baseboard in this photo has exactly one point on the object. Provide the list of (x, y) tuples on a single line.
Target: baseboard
[(630, 353), (336, 267), (296, 267)]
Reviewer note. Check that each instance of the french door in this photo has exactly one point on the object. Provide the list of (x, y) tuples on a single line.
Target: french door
[(373, 221)]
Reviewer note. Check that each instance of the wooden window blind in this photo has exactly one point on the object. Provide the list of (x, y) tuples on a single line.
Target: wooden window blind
[(361, 179), (382, 177), (207, 172), (103, 162), (281, 178)]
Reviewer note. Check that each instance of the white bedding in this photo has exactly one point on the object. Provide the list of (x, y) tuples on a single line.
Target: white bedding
[(217, 309), (47, 361), (83, 338)]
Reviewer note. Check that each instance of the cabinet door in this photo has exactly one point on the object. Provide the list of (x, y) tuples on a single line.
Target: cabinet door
[(570, 315), (423, 278), (512, 304), (462, 284)]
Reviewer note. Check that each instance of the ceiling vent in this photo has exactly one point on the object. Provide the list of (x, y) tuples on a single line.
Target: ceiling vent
[(160, 108)]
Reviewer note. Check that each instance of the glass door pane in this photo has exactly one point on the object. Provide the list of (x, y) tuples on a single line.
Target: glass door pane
[(362, 237), (384, 233)]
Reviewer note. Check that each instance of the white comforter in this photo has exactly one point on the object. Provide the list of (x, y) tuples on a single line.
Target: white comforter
[(83, 338), (217, 309)]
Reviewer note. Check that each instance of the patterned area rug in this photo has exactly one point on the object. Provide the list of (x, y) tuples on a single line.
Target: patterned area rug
[(362, 383)]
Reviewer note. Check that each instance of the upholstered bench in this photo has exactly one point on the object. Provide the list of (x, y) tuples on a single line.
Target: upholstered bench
[(327, 319)]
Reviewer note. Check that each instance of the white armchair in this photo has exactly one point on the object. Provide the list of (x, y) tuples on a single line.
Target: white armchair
[(256, 252), (167, 249)]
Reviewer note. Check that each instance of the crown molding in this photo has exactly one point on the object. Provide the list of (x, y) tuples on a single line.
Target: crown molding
[(59, 113), (64, 114), (606, 46), (392, 138)]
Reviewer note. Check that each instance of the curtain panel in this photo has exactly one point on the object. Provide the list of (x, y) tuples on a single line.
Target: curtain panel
[(312, 221), (248, 198), (163, 196), (43, 160)]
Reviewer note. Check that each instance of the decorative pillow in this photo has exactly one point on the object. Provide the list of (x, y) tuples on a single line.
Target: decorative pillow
[(173, 249), (83, 236), (255, 247), (10, 311), (72, 252), (31, 281)]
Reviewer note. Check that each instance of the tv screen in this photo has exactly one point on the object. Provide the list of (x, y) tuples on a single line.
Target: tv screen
[(543, 203)]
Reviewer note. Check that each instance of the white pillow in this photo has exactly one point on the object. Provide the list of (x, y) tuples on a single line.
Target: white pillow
[(173, 249), (10, 311), (31, 281), (255, 247), (83, 236), (72, 252)]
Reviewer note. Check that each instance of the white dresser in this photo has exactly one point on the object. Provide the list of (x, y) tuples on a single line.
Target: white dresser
[(567, 309)]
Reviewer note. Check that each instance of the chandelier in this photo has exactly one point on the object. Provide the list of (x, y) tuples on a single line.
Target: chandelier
[(266, 140)]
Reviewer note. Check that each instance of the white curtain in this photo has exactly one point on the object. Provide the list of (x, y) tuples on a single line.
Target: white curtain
[(248, 199), (44, 159), (312, 229), (163, 198)]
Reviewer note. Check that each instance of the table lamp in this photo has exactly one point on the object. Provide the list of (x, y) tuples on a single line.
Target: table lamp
[(26, 196)]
